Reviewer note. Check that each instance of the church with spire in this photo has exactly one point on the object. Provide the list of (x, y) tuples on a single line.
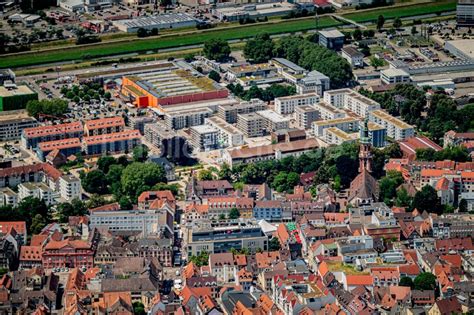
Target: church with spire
[(364, 189)]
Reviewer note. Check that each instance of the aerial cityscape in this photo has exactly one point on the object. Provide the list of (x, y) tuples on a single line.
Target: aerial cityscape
[(228, 157)]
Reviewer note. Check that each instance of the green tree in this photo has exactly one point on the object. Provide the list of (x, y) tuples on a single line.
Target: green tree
[(274, 244), (225, 172), (259, 49), (141, 32), (463, 205), (66, 210), (200, 260), (174, 188), (139, 308), (425, 281), (125, 203), (380, 22), (30, 208), (37, 224), (139, 177), (104, 163), (95, 201), (206, 174), (216, 49), (221, 217), (427, 200), (234, 213), (140, 153), (94, 182), (107, 96), (357, 34), (403, 199), (388, 186), (397, 23), (376, 62), (406, 282), (54, 107), (214, 75)]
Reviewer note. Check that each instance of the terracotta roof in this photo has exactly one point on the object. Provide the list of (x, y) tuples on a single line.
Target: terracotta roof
[(352, 280), (449, 306), (27, 169), (454, 244), (201, 209), (158, 194), (221, 259), (104, 123), (60, 144), (77, 244), (18, 226), (108, 207), (31, 253), (53, 130), (409, 269), (214, 184), (112, 137)]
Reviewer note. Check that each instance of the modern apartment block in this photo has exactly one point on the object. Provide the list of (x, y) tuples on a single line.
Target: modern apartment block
[(351, 100), (230, 112), (12, 125), (465, 13), (347, 124), (396, 128), (67, 147), (251, 124), (117, 142), (8, 197), (167, 140), (328, 111), (31, 137), (204, 137), (187, 118), (274, 121), (228, 135), (336, 136), (69, 187), (37, 190), (103, 126), (288, 104), (305, 115)]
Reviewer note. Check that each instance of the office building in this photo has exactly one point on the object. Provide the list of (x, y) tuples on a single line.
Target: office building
[(223, 239), (13, 123), (13, 97), (351, 100), (274, 121), (204, 137), (103, 126), (229, 112), (31, 137), (305, 115), (228, 135), (396, 129), (465, 13), (69, 187), (313, 82), (394, 76), (287, 105), (118, 142), (251, 124), (333, 39), (353, 56)]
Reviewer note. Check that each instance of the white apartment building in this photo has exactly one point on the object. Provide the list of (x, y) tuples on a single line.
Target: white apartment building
[(286, 105), (204, 137), (347, 124), (228, 135), (329, 112), (396, 129), (336, 136), (351, 100), (305, 115), (8, 197), (69, 187), (313, 82), (394, 76), (274, 121), (37, 190)]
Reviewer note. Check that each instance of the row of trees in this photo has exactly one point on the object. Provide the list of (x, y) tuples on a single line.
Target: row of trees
[(53, 107), (268, 94), (435, 120), (454, 153)]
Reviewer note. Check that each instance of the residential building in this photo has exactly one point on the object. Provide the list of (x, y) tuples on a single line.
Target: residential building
[(351, 100), (228, 135), (410, 145), (336, 136), (31, 137), (37, 190), (171, 145), (396, 128), (70, 187), (332, 39), (8, 197), (273, 121), (116, 142), (103, 126), (251, 124), (313, 82), (204, 137), (222, 267), (41, 172), (305, 115), (288, 104), (66, 147), (353, 56), (394, 76), (9, 250), (328, 111), (222, 206), (269, 210), (230, 112), (270, 152), (67, 253), (347, 124), (186, 118), (12, 124), (139, 122)]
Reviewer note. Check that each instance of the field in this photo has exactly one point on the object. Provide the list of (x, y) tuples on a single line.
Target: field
[(149, 44), (411, 10)]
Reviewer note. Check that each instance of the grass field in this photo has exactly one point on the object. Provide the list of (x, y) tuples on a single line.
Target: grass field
[(411, 10), (175, 40)]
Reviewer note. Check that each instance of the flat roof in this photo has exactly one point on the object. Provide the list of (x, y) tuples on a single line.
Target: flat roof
[(339, 133), (392, 72), (204, 129), (222, 124), (389, 118), (463, 45), (331, 34), (297, 97), (15, 116), (335, 121), (273, 116), (156, 20), (19, 90), (305, 108)]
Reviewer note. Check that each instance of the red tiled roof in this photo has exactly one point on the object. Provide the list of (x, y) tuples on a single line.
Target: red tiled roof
[(60, 144), (31, 253), (112, 137), (163, 194), (77, 244), (359, 280), (19, 226), (104, 123), (53, 130), (108, 207)]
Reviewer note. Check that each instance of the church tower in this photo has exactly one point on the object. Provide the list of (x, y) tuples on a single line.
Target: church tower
[(365, 156)]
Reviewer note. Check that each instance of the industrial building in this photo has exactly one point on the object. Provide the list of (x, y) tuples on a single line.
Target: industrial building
[(162, 21), (14, 97), (394, 76), (332, 39)]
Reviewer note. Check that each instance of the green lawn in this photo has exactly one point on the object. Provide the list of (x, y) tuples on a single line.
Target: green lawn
[(176, 40), (394, 12)]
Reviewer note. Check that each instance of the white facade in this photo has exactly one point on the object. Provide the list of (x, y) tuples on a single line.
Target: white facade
[(394, 76), (8, 197), (347, 124), (351, 100), (329, 112), (287, 105), (396, 128), (37, 190), (228, 135), (69, 187), (274, 121)]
